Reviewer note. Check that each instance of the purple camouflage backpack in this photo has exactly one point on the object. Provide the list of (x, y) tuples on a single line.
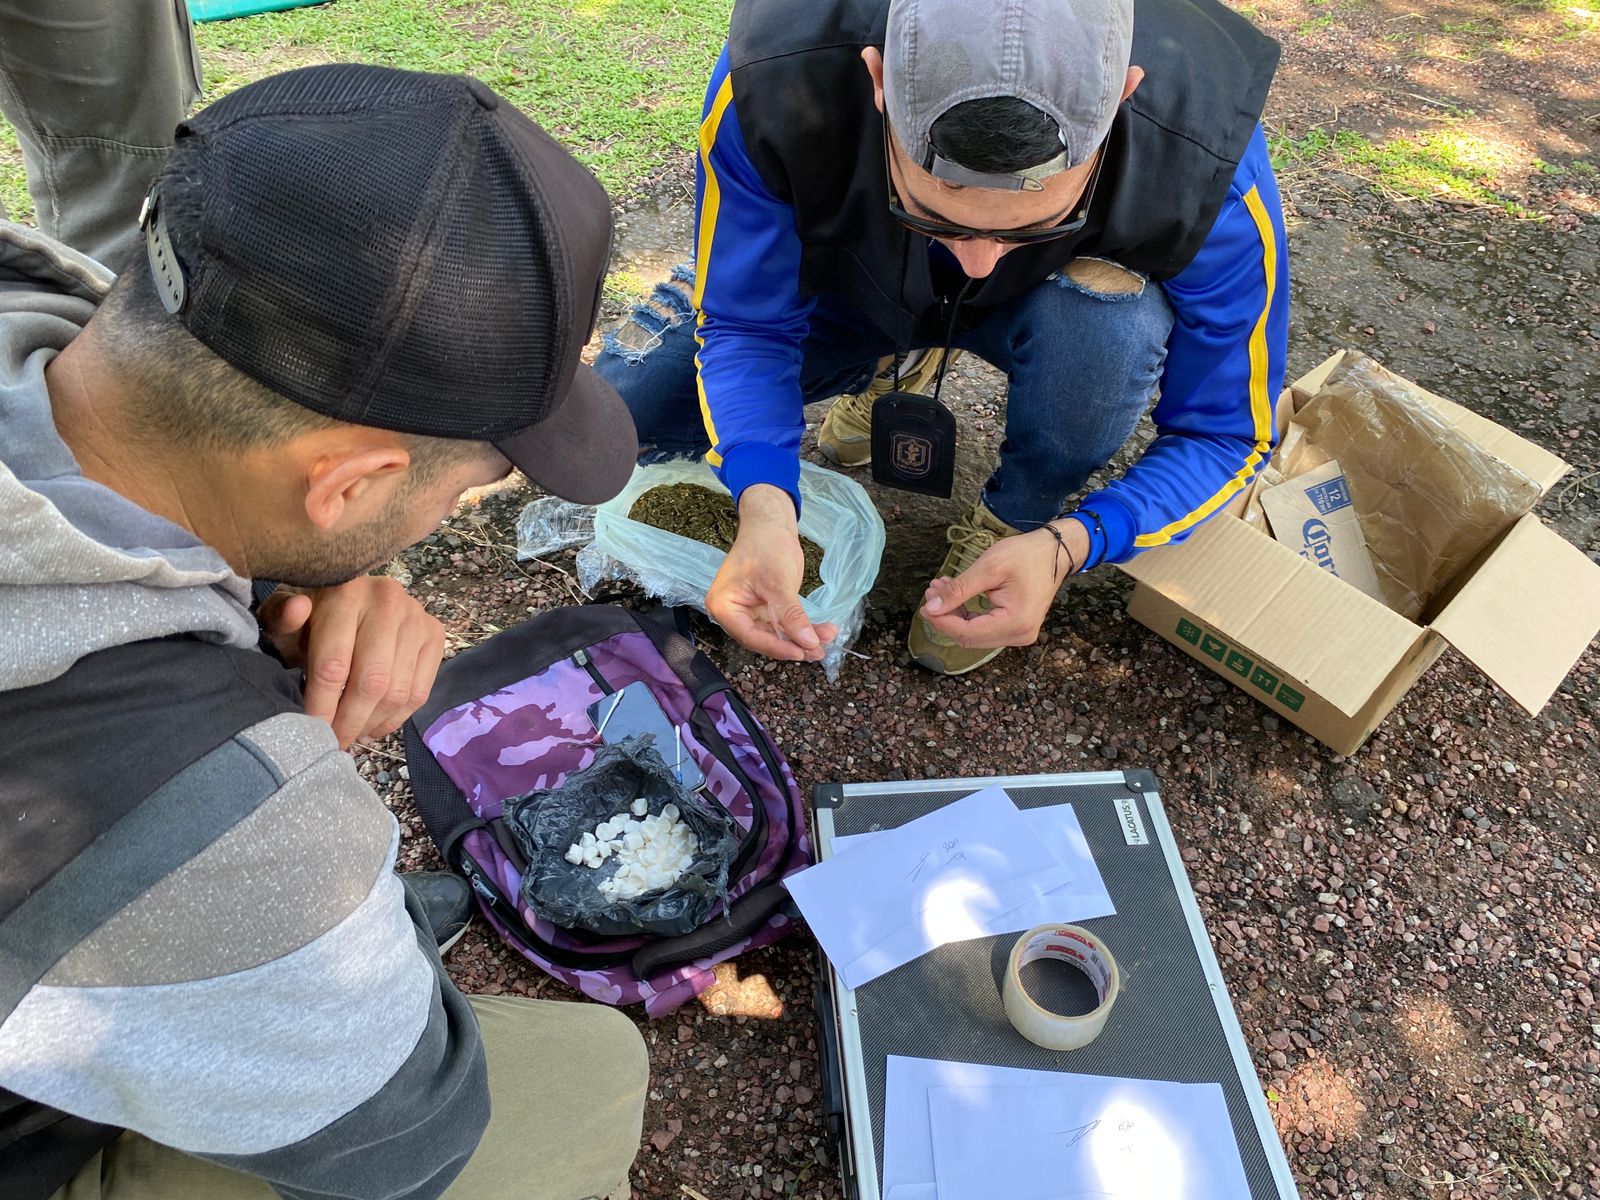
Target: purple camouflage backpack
[(511, 716)]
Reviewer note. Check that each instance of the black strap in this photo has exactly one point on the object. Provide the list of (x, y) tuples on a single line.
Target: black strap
[(444, 810), (746, 915), (669, 631), (41, 1148), (678, 616)]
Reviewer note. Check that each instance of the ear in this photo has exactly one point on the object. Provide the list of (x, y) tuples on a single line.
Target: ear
[(1135, 78), (873, 57), (342, 484)]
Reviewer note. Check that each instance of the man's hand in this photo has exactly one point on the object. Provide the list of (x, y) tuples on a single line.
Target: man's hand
[(756, 594), (1019, 575), (369, 650)]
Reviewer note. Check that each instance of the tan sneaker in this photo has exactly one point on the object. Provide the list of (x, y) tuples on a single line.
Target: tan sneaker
[(969, 537), (845, 438)]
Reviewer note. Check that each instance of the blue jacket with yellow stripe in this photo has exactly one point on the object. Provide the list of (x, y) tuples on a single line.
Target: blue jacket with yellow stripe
[(1223, 372)]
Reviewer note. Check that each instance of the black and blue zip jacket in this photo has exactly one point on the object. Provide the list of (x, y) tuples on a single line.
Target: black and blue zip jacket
[(791, 204)]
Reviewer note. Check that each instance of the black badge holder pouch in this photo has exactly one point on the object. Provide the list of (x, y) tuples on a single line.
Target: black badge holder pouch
[(914, 443), (914, 436)]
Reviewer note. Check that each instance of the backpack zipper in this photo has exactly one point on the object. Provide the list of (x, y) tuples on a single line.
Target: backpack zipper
[(582, 659)]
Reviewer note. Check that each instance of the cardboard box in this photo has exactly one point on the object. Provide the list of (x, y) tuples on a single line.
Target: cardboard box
[(1334, 661)]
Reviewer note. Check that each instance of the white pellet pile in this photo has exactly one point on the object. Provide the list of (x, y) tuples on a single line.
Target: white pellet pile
[(651, 851)]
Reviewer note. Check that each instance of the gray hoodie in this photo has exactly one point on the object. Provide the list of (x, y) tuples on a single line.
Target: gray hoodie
[(202, 937)]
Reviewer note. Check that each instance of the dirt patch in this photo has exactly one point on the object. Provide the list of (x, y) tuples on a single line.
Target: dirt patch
[(1318, 1101)]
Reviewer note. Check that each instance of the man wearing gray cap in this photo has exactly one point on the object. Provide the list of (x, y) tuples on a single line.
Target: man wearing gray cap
[(1076, 191)]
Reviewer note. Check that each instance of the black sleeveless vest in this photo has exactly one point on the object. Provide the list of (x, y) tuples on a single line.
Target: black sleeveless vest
[(804, 102)]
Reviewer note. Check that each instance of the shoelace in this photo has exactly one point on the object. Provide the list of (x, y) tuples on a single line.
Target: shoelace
[(970, 542)]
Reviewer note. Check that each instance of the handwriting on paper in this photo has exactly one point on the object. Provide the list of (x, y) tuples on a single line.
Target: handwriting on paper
[(949, 854)]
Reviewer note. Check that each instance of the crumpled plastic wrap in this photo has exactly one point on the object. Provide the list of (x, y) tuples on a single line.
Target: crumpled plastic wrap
[(550, 524), (545, 823), (1429, 499), (836, 513)]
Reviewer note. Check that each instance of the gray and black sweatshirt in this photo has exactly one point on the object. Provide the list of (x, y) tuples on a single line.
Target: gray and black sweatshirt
[(202, 937)]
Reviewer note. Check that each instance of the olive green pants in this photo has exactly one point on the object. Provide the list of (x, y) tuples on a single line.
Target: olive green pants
[(95, 89), (566, 1092)]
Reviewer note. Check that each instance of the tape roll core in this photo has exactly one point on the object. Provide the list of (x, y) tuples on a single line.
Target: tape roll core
[(1083, 950)]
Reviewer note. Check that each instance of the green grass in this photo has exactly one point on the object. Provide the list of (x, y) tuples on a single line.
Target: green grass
[(1444, 163), (13, 181), (624, 288), (620, 82)]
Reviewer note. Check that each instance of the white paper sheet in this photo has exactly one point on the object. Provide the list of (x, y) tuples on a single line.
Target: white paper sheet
[(1086, 1136), (909, 1167), (1081, 898), (942, 876), (907, 1133)]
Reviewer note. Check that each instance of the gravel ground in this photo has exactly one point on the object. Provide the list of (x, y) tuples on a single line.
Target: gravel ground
[(1411, 935)]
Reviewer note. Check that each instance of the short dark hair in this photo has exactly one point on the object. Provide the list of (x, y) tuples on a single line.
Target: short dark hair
[(183, 395), (996, 135)]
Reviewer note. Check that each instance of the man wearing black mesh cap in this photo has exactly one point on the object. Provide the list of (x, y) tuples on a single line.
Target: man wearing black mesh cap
[(364, 291)]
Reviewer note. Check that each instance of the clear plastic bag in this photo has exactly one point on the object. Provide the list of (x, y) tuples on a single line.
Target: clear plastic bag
[(547, 822), (835, 512), (550, 523)]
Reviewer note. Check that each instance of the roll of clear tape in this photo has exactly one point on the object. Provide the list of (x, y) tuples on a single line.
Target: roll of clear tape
[(1083, 950)]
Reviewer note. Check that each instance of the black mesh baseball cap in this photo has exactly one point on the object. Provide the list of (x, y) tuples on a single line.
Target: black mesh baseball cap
[(400, 250)]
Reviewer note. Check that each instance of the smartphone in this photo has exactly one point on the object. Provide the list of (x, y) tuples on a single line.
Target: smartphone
[(634, 710)]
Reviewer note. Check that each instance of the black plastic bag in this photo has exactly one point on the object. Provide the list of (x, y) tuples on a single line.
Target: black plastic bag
[(547, 822)]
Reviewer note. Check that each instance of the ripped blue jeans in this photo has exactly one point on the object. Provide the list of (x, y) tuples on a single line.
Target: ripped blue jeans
[(1082, 353)]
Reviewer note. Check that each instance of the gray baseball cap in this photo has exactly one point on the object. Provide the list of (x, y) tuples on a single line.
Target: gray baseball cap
[(1068, 58)]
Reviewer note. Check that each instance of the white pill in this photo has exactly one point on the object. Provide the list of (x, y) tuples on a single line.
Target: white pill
[(640, 807), (633, 841), (586, 840), (574, 855), (670, 811), (603, 850)]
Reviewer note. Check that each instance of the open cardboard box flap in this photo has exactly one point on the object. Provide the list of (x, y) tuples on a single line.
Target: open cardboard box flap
[(1293, 614), (1527, 613)]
